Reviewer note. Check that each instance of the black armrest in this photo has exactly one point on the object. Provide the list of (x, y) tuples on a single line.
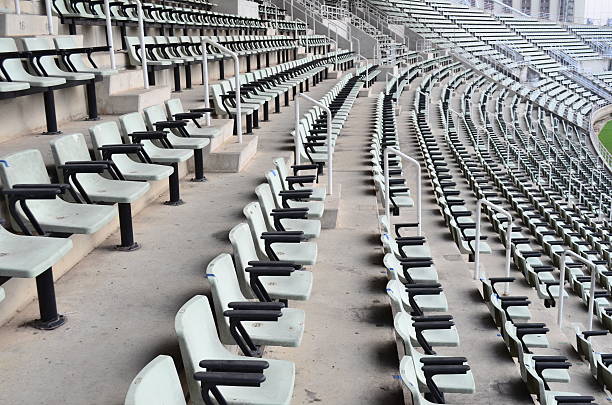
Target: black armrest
[(121, 148), (33, 193), (582, 399), (241, 366), (277, 263), (282, 237), (269, 271), (442, 360), (256, 306), (202, 110), (187, 116), (170, 124), (234, 379), (83, 167), (253, 315), (588, 333)]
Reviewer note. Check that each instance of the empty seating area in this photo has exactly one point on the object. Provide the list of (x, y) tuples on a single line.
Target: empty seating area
[(271, 202)]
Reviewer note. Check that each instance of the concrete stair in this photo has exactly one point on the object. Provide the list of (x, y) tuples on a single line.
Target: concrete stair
[(123, 93)]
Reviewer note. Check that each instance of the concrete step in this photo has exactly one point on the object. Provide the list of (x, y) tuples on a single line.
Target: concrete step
[(232, 157), (134, 100), (13, 25)]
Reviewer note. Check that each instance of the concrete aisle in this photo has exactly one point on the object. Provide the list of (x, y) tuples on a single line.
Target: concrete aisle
[(121, 306), (348, 354)]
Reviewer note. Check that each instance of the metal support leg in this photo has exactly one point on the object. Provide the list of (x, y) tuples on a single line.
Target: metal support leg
[(256, 119), (221, 69), (126, 229), (49, 318), (266, 113), (92, 103), (151, 74), (174, 185), (267, 59), (177, 79), (287, 98), (188, 75), (258, 61), (277, 104), (198, 163), (249, 123), (248, 63), (49, 100)]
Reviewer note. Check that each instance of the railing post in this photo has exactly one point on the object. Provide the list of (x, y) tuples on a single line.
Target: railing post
[(593, 268), (330, 148), (388, 150), (109, 34), (49, 16), (480, 203), (238, 114), (298, 140), (17, 7), (206, 81), (141, 38)]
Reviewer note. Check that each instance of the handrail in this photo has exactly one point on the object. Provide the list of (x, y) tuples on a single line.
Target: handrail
[(387, 83), (562, 286), (141, 38), (388, 150), (4, 162), (367, 83), (298, 142), (502, 211), (17, 7), (206, 84), (238, 114), (109, 34)]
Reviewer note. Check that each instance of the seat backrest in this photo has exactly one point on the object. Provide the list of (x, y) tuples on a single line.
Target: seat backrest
[(154, 114), (252, 212), (409, 379), (275, 187), (266, 202), (244, 252), (225, 289), (25, 167), (156, 384), (69, 148), (133, 122), (174, 106), (281, 167), (107, 133), (13, 67), (198, 340)]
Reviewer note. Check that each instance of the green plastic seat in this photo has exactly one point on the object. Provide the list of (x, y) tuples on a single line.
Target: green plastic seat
[(198, 340), (304, 253), (296, 286), (287, 331), (56, 215), (73, 148)]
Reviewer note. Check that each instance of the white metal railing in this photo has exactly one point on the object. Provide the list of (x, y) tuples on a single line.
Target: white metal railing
[(49, 17), (17, 7), (416, 164), (238, 112), (481, 202), (298, 140), (109, 34), (141, 39), (593, 269)]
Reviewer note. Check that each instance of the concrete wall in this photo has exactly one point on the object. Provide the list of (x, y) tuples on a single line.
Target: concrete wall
[(244, 8)]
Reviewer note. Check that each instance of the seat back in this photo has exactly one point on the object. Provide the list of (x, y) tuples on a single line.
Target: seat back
[(156, 384), (266, 202), (68, 42), (275, 187), (154, 114), (69, 148), (174, 106), (198, 340), (13, 67), (134, 56), (254, 217), (281, 167), (409, 379), (244, 252), (107, 133), (225, 289), (25, 167)]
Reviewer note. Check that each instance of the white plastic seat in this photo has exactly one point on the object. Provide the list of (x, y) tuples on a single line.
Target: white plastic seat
[(174, 106), (6, 87), (48, 61), (17, 73), (71, 148), (29, 256), (68, 42), (108, 133), (296, 286), (133, 122), (304, 253), (287, 331), (56, 215), (425, 274), (156, 113), (156, 384), (310, 227), (318, 193), (427, 303), (315, 208), (198, 340)]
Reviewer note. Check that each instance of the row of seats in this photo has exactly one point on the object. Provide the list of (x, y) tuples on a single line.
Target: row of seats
[(192, 14), (250, 296), (511, 314), (173, 52), (413, 288)]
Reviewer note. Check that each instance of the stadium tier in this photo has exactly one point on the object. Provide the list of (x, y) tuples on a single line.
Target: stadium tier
[(273, 202)]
